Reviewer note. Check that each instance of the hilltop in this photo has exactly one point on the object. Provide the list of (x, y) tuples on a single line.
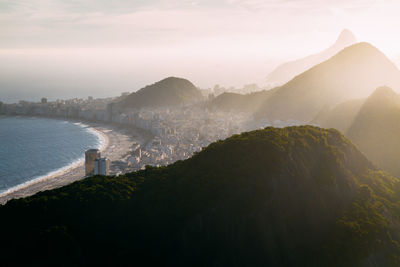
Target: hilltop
[(300, 196), (352, 73), (240, 102), (287, 71), (376, 129), (170, 91)]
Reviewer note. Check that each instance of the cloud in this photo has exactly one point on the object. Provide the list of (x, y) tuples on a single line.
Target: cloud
[(305, 5), (210, 41), (73, 23)]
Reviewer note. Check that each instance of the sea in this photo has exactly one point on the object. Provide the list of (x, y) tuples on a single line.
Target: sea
[(35, 148)]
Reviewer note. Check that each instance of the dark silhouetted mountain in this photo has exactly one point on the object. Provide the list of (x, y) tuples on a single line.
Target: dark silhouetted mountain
[(376, 129), (340, 117), (297, 196), (353, 73), (289, 70), (240, 102), (167, 92)]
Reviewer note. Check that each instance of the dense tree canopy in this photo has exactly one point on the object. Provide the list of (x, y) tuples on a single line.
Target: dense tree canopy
[(297, 196)]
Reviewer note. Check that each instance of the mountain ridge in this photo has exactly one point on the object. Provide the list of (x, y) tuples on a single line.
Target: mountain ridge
[(240, 102), (291, 69), (340, 117), (290, 196), (331, 83), (376, 129)]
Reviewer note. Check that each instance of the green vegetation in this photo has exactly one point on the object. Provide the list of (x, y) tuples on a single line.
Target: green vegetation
[(297, 196), (171, 91)]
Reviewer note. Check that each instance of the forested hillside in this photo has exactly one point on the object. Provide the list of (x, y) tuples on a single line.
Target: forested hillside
[(297, 196)]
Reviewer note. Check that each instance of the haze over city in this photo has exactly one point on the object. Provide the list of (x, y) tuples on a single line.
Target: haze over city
[(64, 49)]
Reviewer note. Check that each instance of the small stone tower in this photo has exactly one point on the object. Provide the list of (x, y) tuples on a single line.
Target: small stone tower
[(90, 156)]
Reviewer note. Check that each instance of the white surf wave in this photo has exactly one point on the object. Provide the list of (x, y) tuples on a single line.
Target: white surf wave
[(101, 145)]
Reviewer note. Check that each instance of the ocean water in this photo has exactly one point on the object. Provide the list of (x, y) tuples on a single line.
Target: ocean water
[(32, 148)]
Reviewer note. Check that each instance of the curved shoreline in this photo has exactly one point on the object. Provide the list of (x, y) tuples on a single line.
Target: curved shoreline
[(103, 144), (104, 141), (112, 144)]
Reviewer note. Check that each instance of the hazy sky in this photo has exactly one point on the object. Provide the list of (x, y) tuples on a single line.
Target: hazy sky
[(70, 48)]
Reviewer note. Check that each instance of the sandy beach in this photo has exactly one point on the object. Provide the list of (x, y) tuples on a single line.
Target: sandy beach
[(115, 144)]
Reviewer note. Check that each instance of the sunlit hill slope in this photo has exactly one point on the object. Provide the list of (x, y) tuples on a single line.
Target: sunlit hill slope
[(355, 72), (285, 72), (376, 129)]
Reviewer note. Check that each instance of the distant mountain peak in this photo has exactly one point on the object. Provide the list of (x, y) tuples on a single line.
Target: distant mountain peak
[(171, 91), (383, 98), (355, 72), (359, 50), (384, 91), (172, 78), (362, 45), (346, 37), (365, 51), (291, 69)]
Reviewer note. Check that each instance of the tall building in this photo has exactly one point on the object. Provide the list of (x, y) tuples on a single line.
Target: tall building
[(90, 156), (101, 166)]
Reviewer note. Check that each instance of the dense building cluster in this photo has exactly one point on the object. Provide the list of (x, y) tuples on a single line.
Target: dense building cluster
[(175, 133), (180, 132)]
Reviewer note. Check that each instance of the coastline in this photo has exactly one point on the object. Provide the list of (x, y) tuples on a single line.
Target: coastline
[(113, 143)]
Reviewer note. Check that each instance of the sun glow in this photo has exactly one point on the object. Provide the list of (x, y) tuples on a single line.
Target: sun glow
[(227, 42)]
